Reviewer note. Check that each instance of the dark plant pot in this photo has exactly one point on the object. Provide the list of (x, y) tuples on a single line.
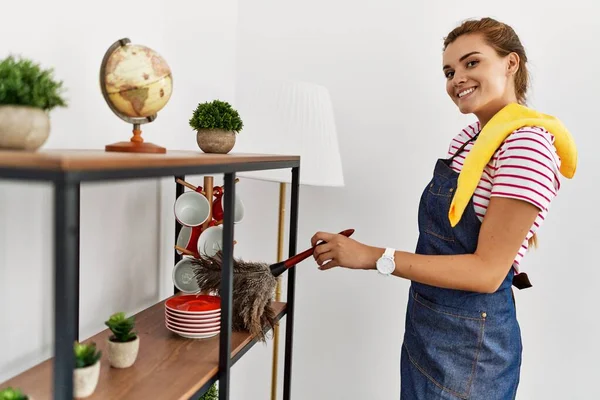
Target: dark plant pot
[(216, 141)]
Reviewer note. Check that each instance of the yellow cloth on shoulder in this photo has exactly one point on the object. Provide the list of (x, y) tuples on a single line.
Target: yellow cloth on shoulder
[(506, 121)]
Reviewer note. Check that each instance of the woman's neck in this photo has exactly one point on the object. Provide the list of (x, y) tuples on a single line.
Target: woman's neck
[(484, 116)]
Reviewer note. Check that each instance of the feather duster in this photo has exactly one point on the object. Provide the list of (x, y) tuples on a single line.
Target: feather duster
[(253, 290)]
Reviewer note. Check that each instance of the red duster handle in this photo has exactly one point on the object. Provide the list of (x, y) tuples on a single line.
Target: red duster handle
[(278, 268), (307, 253)]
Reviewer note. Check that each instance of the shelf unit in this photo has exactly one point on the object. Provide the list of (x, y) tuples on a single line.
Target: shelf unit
[(168, 366)]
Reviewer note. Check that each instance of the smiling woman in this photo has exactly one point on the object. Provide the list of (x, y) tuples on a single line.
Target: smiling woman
[(477, 217), (485, 67)]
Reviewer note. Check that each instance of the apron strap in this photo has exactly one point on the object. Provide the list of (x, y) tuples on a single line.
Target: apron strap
[(463, 147), (520, 281)]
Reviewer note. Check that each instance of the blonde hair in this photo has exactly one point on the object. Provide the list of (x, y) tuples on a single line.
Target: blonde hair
[(502, 38)]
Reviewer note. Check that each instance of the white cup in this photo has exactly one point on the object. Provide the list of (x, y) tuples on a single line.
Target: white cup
[(183, 239), (191, 209), (211, 241), (238, 209), (183, 276)]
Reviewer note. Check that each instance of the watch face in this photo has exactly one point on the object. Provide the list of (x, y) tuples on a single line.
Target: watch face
[(385, 265)]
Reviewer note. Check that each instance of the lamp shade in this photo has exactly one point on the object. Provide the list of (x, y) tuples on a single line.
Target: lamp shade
[(290, 118)]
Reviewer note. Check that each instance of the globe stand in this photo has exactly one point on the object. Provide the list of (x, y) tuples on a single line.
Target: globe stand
[(136, 144)]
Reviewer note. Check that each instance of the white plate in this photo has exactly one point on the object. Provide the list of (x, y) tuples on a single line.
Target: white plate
[(184, 314), (190, 320), (193, 335), (193, 317), (194, 327), (193, 330)]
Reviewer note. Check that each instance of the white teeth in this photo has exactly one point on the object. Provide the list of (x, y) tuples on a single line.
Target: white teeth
[(465, 92)]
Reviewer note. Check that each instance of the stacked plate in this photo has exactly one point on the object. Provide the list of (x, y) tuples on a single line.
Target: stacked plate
[(193, 316)]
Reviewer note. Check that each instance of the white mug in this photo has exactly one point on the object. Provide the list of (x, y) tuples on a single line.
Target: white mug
[(211, 241), (192, 209), (238, 208), (183, 276)]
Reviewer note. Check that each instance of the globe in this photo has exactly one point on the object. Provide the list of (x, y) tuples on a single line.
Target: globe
[(136, 83)]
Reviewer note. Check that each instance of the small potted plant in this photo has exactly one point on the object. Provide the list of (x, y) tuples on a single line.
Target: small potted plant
[(87, 369), (216, 124), (211, 394), (27, 94), (12, 394), (124, 343)]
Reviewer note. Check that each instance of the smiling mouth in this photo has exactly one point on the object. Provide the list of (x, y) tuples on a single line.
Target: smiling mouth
[(466, 92)]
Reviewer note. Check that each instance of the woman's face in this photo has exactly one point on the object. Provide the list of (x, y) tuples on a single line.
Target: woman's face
[(478, 80)]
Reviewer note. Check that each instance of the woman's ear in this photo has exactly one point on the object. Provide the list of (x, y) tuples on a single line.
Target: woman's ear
[(512, 63)]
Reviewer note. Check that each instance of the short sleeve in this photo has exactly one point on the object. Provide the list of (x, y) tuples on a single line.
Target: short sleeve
[(527, 168)]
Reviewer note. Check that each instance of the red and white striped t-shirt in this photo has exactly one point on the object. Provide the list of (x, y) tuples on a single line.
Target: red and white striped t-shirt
[(525, 166)]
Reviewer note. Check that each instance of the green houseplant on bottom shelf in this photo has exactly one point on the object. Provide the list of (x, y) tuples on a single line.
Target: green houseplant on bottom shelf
[(124, 343), (211, 394), (27, 94), (13, 394), (216, 124), (87, 369)]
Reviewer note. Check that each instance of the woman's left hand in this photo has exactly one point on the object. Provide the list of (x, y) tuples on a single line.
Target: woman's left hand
[(341, 251)]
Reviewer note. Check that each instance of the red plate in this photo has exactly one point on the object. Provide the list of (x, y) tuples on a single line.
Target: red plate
[(193, 317), (193, 330), (194, 303), (179, 325)]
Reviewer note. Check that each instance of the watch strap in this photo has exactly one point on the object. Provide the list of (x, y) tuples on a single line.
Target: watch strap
[(388, 255)]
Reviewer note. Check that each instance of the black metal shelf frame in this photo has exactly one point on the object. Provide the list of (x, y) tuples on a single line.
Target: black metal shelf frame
[(66, 259)]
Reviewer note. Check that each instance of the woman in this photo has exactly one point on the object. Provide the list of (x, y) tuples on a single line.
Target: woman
[(462, 339)]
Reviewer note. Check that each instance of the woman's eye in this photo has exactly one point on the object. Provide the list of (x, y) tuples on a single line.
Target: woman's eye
[(448, 74), (472, 63)]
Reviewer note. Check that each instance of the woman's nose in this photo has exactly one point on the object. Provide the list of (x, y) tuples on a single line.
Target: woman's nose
[(459, 78)]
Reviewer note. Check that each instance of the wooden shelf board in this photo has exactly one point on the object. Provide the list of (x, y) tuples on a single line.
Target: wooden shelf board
[(168, 366), (90, 160)]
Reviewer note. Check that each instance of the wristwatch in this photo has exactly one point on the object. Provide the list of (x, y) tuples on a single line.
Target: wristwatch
[(386, 264)]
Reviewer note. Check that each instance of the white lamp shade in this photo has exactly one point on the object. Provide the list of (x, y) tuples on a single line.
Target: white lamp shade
[(290, 118)]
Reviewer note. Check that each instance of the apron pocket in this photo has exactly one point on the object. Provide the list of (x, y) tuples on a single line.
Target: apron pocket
[(439, 198), (444, 343)]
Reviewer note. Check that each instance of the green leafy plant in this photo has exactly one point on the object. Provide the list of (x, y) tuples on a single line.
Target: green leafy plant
[(211, 394), (216, 115), (12, 394), (86, 354), (24, 82), (121, 327)]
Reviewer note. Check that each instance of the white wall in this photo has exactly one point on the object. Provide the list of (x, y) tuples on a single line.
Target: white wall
[(121, 260), (381, 61)]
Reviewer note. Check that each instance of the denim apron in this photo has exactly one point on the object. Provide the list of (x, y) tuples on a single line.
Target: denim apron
[(457, 344)]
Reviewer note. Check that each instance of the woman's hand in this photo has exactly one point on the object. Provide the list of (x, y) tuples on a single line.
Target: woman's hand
[(341, 251)]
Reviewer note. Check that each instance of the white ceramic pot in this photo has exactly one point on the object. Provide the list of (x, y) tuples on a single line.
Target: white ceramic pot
[(123, 355), (216, 141), (85, 380), (23, 128)]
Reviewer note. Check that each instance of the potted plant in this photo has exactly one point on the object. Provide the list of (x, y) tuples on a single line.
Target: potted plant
[(12, 394), (216, 124), (211, 394), (124, 343), (87, 369), (27, 94)]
